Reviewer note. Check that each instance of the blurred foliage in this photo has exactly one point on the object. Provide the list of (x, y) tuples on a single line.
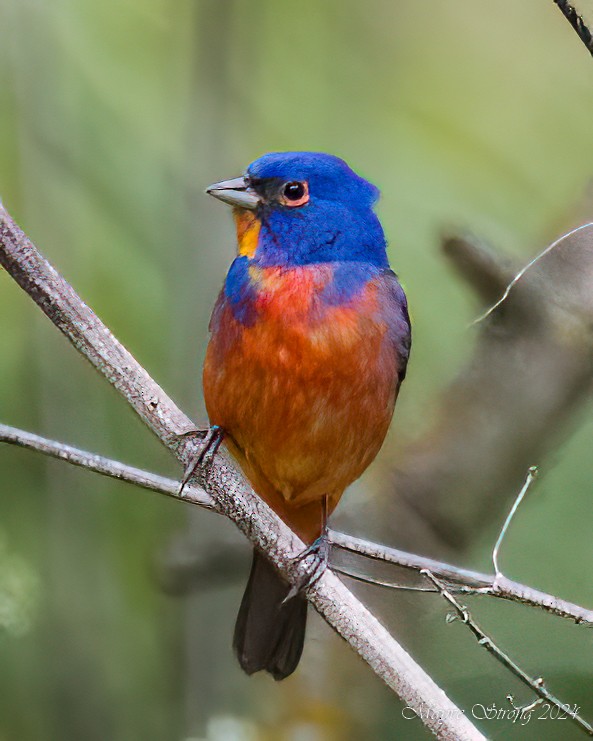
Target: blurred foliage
[(113, 118), (18, 592)]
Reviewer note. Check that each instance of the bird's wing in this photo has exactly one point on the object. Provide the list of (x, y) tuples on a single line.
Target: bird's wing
[(397, 317)]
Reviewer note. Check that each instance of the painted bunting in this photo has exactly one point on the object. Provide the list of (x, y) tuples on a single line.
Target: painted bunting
[(309, 343)]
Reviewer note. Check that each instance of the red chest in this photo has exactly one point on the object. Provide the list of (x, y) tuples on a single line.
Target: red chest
[(307, 390)]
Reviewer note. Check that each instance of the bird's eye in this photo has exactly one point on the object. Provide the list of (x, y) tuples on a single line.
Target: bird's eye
[(295, 193)]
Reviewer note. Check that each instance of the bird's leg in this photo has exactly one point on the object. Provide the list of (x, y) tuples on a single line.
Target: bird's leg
[(318, 553), (324, 517), (202, 459)]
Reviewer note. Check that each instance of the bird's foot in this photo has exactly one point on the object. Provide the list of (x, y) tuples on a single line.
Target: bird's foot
[(201, 461), (317, 557)]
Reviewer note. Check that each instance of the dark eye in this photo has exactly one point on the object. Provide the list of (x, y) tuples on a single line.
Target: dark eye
[(295, 193)]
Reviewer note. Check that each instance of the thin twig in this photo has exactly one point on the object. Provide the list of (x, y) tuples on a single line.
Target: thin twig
[(577, 22), (104, 466), (465, 580), (230, 492), (537, 685), (375, 582), (523, 270), (531, 476)]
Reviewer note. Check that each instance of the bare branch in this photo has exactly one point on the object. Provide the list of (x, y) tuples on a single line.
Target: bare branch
[(577, 22), (104, 466), (480, 266), (230, 493), (480, 583), (465, 580), (537, 685)]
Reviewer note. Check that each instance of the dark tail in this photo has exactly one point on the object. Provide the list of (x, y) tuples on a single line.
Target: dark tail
[(268, 634)]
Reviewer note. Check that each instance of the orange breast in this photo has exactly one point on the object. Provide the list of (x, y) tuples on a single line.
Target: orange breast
[(306, 393)]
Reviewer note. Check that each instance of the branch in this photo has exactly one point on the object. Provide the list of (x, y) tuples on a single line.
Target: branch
[(486, 584), (105, 466), (577, 22), (537, 685), (228, 489), (494, 585), (479, 266)]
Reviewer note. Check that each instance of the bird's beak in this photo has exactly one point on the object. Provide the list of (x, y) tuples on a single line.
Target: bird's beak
[(236, 192)]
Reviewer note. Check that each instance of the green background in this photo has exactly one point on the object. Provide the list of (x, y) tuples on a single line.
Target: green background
[(114, 116)]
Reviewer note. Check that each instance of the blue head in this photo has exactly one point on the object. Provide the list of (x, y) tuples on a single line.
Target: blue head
[(306, 207)]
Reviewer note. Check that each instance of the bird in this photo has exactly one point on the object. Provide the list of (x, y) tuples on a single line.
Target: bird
[(309, 343)]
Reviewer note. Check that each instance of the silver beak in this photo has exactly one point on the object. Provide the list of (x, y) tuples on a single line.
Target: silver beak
[(236, 192)]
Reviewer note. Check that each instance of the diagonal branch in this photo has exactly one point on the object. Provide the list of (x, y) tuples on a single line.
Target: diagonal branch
[(230, 493), (537, 685), (494, 585), (577, 22)]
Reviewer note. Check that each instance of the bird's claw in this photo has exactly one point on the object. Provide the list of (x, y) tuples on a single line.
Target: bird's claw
[(201, 461), (318, 554)]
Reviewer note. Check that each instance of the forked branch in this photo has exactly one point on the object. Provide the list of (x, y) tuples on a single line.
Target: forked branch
[(537, 685), (230, 493), (472, 582)]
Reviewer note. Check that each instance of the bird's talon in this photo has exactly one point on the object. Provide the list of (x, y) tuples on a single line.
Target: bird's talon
[(201, 461), (318, 553)]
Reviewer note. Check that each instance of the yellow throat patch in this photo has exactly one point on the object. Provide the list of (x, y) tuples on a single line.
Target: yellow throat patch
[(248, 226)]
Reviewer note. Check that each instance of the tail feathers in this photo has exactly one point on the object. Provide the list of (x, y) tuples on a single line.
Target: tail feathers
[(268, 634)]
